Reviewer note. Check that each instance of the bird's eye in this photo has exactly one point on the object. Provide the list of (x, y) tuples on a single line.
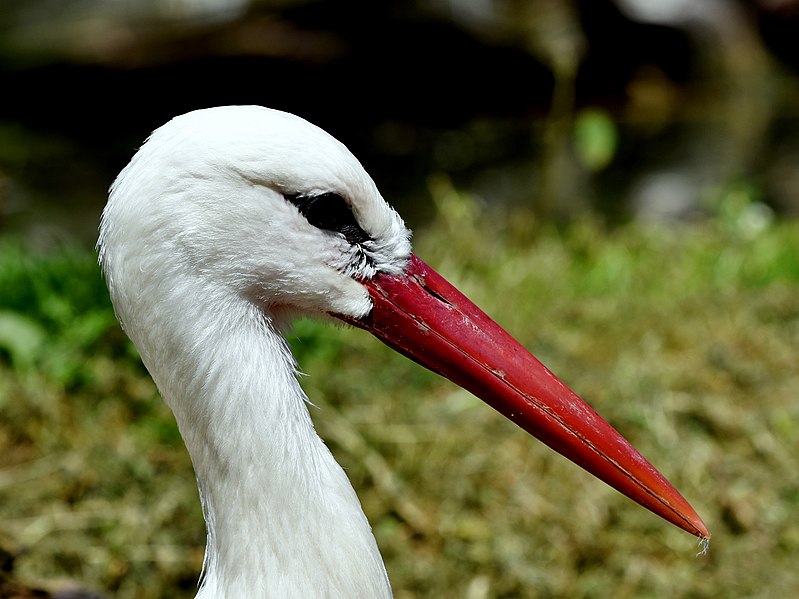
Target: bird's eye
[(329, 211)]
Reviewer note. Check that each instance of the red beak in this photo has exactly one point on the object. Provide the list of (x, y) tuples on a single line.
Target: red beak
[(422, 316)]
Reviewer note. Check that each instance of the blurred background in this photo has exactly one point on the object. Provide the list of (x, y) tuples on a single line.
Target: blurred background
[(616, 181)]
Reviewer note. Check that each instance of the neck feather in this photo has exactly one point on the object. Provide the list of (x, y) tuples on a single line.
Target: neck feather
[(282, 518)]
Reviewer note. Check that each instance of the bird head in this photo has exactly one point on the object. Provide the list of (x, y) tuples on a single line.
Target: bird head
[(253, 202)]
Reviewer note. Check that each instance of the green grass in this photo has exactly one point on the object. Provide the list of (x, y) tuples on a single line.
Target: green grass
[(684, 338)]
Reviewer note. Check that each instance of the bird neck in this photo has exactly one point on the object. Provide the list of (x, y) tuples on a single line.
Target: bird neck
[(282, 518)]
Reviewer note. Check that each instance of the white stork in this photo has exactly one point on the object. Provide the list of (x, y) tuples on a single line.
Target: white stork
[(227, 224)]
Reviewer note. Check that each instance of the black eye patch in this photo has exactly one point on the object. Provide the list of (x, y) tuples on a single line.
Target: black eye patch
[(329, 211)]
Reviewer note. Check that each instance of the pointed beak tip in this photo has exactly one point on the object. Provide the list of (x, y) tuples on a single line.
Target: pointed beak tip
[(701, 530)]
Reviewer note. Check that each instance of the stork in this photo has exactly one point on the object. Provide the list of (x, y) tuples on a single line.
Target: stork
[(228, 223)]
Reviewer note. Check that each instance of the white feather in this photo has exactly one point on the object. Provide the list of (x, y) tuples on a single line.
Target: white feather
[(204, 257)]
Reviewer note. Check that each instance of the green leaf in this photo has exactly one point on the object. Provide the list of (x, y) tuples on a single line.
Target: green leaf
[(21, 338), (595, 138)]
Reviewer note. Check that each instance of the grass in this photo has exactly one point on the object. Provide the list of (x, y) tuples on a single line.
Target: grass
[(684, 338)]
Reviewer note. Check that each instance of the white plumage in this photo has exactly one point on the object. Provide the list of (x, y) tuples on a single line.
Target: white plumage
[(205, 262)]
